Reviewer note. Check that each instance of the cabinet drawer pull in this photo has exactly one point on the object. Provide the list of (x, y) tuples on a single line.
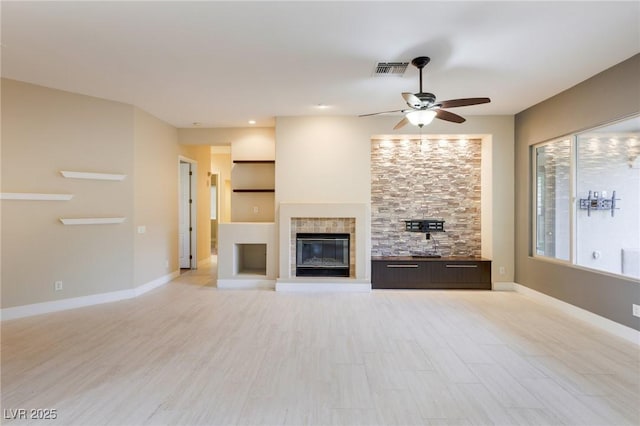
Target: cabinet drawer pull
[(462, 266), (402, 266)]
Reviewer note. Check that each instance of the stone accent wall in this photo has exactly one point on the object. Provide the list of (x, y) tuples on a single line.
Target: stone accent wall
[(430, 179), (334, 225)]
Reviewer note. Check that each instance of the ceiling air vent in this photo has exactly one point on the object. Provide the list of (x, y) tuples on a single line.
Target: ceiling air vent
[(384, 69)]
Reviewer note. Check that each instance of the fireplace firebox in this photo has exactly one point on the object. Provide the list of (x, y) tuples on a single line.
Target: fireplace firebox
[(322, 255)]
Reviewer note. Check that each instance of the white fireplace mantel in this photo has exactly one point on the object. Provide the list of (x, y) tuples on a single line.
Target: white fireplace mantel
[(359, 211)]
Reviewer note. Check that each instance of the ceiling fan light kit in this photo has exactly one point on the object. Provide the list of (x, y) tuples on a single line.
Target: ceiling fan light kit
[(424, 107), (420, 117)]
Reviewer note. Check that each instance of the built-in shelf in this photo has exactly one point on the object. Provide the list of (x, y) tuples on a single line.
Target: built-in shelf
[(92, 175), (251, 260), (253, 187), (35, 197), (254, 190), (92, 220)]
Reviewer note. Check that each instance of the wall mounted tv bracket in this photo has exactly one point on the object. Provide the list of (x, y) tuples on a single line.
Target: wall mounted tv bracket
[(596, 202), (426, 226)]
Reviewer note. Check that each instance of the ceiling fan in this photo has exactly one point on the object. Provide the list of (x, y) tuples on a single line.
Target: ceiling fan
[(423, 105)]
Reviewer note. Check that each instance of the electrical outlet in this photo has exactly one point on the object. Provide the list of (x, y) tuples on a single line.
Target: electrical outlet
[(501, 270), (636, 310), (166, 263), (57, 286), (256, 209)]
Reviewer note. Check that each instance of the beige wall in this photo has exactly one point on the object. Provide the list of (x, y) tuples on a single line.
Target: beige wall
[(608, 96), (156, 200), (224, 135), (328, 160), (45, 131), (323, 160)]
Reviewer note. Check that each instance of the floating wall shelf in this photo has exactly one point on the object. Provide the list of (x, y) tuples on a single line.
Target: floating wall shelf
[(92, 175), (35, 197), (92, 220), (254, 190)]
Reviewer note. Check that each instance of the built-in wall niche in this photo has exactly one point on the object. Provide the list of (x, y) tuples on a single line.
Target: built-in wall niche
[(253, 187), (251, 259), (420, 179)]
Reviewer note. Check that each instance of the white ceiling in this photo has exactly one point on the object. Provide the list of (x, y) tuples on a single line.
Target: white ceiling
[(223, 63)]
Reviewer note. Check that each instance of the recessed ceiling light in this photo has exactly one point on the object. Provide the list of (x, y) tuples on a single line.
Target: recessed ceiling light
[(252, 121), (322, 106)]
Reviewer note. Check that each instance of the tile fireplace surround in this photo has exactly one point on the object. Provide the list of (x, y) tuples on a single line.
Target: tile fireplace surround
[(338, 225), (339, 217)]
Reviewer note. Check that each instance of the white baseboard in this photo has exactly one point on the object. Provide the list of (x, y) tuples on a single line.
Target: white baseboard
[(503, 286), (82, 301), (246, 283), (596, 320), (160, 281)]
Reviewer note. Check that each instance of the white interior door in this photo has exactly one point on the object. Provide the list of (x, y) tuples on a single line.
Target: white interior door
[(184, 216)]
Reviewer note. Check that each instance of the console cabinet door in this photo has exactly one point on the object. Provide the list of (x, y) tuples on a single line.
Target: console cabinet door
[(389, 274), (456, 274)]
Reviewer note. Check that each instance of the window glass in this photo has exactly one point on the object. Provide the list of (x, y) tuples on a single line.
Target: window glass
[(553, 192), (608, 198)]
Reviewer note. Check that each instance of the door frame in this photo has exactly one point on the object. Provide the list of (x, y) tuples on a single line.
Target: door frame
[(215, 176), (193, 209)]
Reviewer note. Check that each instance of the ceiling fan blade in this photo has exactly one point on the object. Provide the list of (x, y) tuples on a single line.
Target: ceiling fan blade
[(401, 123), (452, 103), (383, 112), (412, 100), (449, 116)]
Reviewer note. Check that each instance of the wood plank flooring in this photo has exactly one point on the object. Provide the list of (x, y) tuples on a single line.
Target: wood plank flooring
[(189, 354)]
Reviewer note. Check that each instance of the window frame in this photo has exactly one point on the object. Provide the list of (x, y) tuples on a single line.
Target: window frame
[(573, 139), (533, 250)]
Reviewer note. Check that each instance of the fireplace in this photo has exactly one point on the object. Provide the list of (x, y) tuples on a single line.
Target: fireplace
[(322, 255)]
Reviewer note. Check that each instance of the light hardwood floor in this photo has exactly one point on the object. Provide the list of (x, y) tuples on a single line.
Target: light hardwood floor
[(188, 353)]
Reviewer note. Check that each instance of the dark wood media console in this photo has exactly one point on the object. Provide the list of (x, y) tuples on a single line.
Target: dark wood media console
[(408, 272)]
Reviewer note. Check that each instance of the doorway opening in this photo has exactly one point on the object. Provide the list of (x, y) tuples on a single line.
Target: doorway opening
[(214, 214)]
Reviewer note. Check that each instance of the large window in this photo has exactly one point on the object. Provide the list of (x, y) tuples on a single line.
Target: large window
[(587, 199)]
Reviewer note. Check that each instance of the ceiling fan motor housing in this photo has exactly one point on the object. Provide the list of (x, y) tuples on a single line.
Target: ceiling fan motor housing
[(427, 99)]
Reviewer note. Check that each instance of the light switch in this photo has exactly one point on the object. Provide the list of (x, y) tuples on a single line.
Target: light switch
[(142, 229)]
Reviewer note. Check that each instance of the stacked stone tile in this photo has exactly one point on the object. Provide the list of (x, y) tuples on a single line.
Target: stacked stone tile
[(415, 179)]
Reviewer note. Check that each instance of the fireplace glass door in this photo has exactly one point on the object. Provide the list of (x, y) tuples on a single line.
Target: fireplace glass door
[(322, 255)]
